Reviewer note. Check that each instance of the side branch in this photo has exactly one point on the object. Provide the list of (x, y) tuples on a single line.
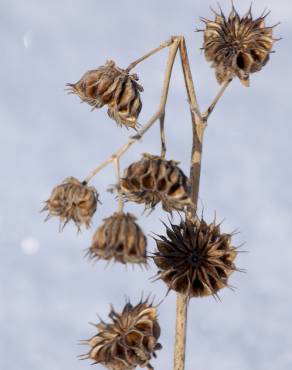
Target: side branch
[(215, 101), (159, 113)]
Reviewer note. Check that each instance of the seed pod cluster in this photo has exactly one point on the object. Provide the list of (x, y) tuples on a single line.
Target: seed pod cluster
[(195, 258), (129, 341), (154, 179), (237, 46), (115, 87), (119, 238), (72, 200)]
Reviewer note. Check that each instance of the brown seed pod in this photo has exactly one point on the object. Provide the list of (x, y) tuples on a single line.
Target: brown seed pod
[(114, 86), (237, 46), (72, 200), (129, 341), (154, 179), (119, 238), (195, 259)]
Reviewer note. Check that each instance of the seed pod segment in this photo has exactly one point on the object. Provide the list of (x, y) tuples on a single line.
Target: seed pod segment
[(195, 258), (130, 340), (72, 200), (237, 46), (119, 238), (115, 87), (154, 179)]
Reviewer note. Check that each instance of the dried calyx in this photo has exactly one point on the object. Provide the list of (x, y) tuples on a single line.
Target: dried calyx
[(115, 87), (120, 239), (154, 179), (130, 340), (237, 46), (195, 258), (72, 200)]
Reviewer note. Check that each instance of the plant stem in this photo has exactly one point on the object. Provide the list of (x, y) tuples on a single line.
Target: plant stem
[(159, 113), (120, 191), (162, 135), (198, 125), (149, 54), (216, 99)]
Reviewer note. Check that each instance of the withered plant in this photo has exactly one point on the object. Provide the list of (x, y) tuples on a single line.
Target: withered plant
[(194, 258)]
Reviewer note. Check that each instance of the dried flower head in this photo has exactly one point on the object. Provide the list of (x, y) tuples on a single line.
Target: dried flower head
[(114, 86), (195, 259), (129, 341), (119, 238), (237, 46), (154, 179), (72, 200)]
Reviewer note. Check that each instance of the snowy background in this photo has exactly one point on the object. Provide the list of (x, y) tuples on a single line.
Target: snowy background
[(48, 291)]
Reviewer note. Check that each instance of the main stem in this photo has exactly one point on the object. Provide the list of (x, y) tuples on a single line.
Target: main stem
[(198, 126)]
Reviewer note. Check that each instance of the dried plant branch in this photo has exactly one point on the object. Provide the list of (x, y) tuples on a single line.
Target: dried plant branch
[(198, 125), (150, 53), (216, 99), (162, 135), (120, 191), (160, 111)]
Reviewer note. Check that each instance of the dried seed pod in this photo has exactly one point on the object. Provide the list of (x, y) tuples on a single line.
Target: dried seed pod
[(129, 341), (195, 259), (72, 200), (119, 238), (237, 46), (154, 179), (114, 86)]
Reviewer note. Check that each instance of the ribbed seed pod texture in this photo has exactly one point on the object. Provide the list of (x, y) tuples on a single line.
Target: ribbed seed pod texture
[(129, 341), (119, 238), (154, 179), (237, 46), (195, 258), (115, 87), (72, 200)]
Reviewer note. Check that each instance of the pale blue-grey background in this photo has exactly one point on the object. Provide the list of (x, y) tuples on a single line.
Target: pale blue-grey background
[(48, 291)]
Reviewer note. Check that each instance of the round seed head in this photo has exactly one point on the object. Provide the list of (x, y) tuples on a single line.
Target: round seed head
[(130, 340), (119, 238), (195, 258), (237, 46), (72, 200), (154, 179)]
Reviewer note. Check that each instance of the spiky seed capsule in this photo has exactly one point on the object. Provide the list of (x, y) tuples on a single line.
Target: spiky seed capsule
[(119, 238), (115, 87), (195, 258), (237, 46), (154, 179), (72, 200), (129, 341)]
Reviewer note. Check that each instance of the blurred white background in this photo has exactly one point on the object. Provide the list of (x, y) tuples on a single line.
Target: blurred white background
[(48, 291)]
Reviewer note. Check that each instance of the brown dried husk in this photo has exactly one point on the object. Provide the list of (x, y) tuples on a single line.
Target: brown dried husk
[(129, 341), (115, 87), (195, 259), (237, 46), (154, 179), (120, 239), (72, 200)]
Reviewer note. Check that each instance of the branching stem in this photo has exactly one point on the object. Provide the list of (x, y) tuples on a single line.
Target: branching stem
[(159, 113), (120, 191), (216, 99)]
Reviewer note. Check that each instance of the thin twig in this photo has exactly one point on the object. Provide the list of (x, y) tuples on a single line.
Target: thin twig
[(154, 51), (162, 135), (216, 99), (160, 111), (120, 191), (198, 125)]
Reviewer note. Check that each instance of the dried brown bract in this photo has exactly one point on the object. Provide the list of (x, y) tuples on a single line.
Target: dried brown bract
[(237, 46), (119, 238), (115, 87), (195, 259), (72, 200), (154, 179), (129, 341)]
